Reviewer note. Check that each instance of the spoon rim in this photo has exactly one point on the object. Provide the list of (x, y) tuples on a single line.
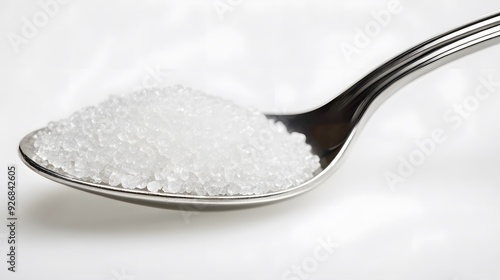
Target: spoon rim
[(143, 195)]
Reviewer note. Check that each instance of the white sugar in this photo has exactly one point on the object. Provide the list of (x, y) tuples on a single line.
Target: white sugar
[(176, 140)]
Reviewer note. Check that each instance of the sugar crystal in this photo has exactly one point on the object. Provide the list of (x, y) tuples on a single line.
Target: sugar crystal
[(176, 140)]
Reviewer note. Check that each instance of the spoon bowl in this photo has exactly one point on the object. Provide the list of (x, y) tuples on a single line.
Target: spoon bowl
[(329, 129)]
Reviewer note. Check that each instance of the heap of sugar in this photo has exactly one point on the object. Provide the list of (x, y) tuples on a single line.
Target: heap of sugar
[(176, 140)]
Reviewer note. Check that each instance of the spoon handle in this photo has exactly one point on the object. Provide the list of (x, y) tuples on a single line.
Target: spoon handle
[(413, 63)]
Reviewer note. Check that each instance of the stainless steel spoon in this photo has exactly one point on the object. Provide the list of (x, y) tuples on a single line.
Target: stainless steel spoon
[(329, 129)]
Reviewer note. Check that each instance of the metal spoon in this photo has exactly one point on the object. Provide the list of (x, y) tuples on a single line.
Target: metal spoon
[(329, 129)]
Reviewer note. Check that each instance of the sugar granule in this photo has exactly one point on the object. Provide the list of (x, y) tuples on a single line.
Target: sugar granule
[(176, 140)]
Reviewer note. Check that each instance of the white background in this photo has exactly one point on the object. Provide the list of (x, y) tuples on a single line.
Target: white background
[(442, 223)]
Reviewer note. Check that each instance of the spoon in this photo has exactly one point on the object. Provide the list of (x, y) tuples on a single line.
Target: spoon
[(329, 129)]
